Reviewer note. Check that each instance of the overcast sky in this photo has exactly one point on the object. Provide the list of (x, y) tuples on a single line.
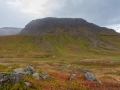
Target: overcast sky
[(17, 13)]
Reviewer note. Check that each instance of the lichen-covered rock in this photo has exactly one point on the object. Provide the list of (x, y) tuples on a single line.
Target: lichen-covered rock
[(19, 71), (15, 78), (26, 70), (4, 78), (29, 70)]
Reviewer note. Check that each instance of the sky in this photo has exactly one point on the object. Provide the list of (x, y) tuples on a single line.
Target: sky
[(17, 13)]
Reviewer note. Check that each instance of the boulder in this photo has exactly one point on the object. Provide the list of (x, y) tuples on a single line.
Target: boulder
[(10, 78), (4, 78), (15, 78), (89, 76)]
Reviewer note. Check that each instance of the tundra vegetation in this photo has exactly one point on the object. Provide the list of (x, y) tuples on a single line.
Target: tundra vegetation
[(60, 59)]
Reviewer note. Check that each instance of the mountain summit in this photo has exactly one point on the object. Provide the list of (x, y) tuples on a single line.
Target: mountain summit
[(60, 25)]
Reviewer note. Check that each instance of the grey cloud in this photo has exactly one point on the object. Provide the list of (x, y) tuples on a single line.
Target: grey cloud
[(12, 18), (101, 12)]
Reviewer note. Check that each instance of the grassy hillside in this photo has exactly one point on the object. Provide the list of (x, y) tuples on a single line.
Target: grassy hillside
[(61, 55), (59, 45)]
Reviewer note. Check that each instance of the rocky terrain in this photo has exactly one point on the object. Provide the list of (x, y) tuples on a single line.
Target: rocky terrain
[(34, 77)]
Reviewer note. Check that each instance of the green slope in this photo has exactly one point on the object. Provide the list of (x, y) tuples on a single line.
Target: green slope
[(61, 45)]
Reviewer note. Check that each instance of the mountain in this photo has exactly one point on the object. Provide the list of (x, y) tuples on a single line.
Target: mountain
[(64, 38), (58, 25), (76, 27), (9, 31)]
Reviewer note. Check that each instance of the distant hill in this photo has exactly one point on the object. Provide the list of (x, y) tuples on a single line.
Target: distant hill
[(9, 31)]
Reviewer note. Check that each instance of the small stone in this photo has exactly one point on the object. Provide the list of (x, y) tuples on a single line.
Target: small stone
[(117, 79), (54, 56), (72, 77), (97, 80), (44, 75), (36, 76), (78, 67), (85, 70), (10, 67), (28, 84)]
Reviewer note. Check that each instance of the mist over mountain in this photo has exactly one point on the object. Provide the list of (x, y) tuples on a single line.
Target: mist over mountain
[(9, 31)]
